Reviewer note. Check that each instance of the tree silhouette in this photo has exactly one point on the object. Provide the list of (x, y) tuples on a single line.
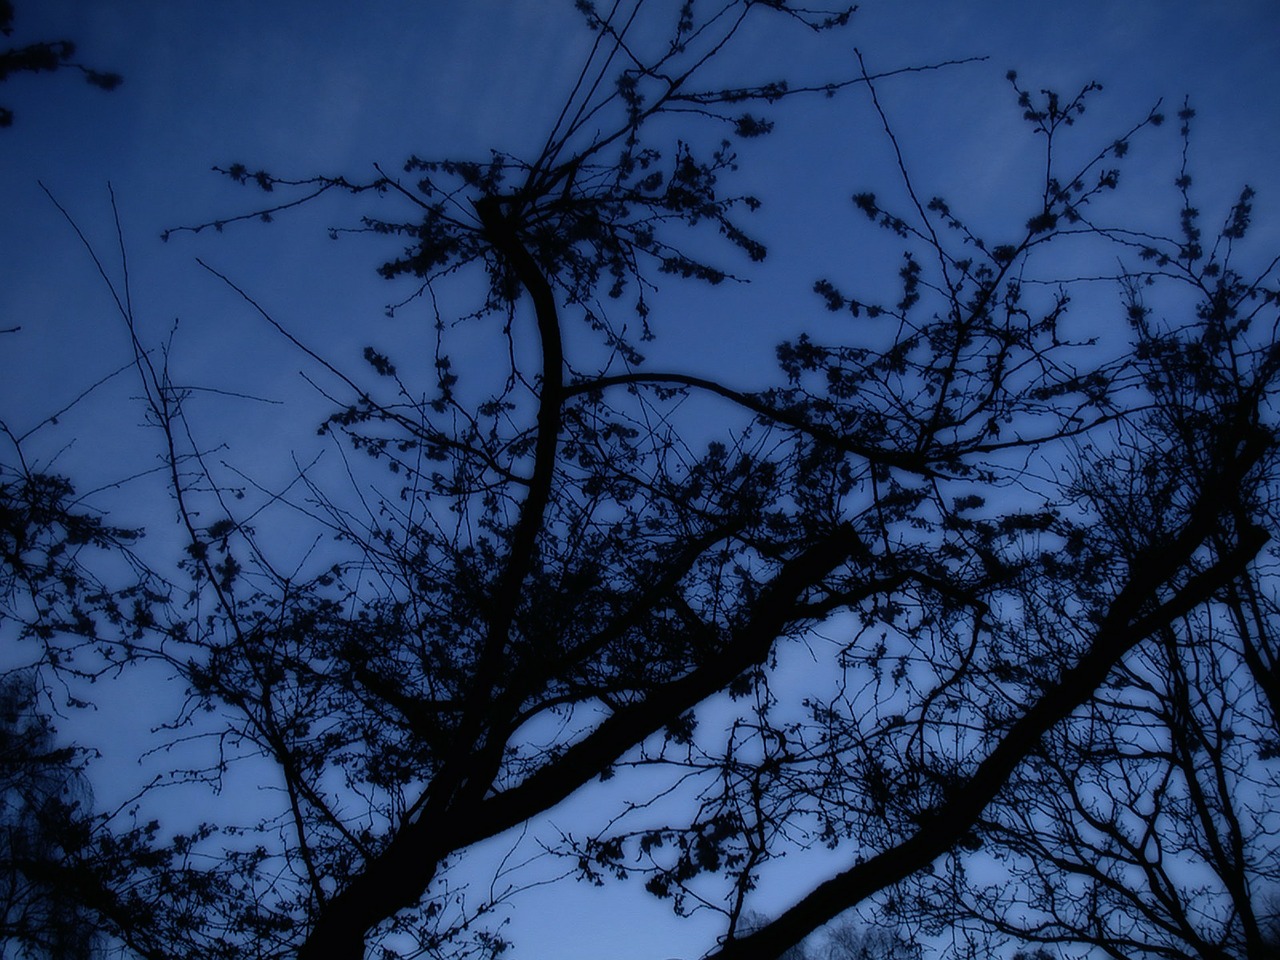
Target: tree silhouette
[(41, 787), (1145, 826), (846, 940), (967, 514)]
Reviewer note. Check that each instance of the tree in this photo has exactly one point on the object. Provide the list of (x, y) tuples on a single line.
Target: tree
[(40, 790), (847, 940), (538, 583), (69, 877), (1157, 844), (1144, 826), (41, 56)]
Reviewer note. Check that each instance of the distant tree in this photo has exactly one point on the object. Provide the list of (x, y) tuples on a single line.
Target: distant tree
[(71, 881), (848, 940), (42, 56), (41, 790), (970, 516), (845, 939)]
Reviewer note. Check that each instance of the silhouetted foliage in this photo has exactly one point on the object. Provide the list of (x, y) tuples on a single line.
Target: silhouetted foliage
[(972, 519), (43, 56)]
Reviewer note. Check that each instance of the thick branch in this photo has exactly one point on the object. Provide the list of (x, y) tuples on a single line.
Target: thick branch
[(398, 877), (506, 598)]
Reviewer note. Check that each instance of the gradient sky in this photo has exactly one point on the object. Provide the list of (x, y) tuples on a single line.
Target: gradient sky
[(312, 86)]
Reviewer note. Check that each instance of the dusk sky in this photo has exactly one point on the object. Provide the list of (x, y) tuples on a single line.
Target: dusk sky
[(302, 88), (306, 88)]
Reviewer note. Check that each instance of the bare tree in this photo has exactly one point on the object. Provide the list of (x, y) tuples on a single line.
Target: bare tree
[(849, 940)]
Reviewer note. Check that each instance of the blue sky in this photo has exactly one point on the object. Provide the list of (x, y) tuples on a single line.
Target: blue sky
[(300, 88), (325, 87)]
